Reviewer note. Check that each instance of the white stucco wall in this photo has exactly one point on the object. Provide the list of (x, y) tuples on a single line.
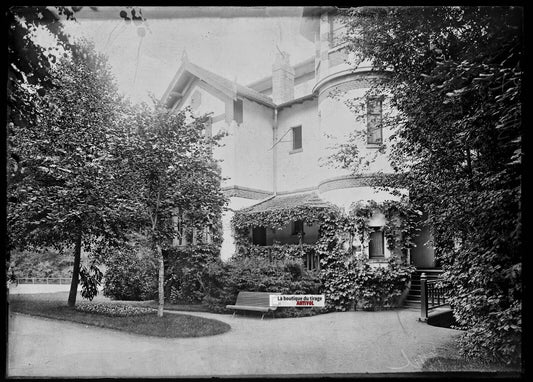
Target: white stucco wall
[(298, 170), (225, 153), (304, 86), (252, 147), (337, 122), (209, 102)]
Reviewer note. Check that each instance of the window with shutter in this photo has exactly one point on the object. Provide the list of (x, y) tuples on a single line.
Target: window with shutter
[(374, 117), (376, 246)]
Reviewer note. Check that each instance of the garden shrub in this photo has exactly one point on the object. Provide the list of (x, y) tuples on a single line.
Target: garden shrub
[(186, 272), (380, 287), (130, 276), (256, 275)]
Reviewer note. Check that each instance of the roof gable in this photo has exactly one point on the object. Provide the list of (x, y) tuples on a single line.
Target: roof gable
[(188, 70)]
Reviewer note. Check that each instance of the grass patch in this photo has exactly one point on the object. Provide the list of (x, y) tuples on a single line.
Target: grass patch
[(447, 359), (171, 325)]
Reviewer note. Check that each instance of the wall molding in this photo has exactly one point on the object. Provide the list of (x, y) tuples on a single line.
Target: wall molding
[(348, 181), (245, 192)]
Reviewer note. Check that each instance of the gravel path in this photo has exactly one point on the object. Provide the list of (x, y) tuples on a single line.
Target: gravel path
[(350, 342)]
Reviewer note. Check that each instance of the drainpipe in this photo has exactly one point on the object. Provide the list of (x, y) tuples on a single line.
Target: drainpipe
[(275, 153)]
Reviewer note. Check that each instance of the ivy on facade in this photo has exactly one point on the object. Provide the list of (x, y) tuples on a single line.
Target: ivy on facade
[(340, 268)]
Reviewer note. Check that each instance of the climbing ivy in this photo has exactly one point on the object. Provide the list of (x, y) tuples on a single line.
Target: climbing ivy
[(339, 270)]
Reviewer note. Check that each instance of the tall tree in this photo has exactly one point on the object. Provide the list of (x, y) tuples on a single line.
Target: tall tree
[(454, 75), (60, 194), (165, 166)]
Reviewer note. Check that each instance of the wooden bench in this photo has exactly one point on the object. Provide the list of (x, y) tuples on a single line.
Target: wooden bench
[(253, 301)]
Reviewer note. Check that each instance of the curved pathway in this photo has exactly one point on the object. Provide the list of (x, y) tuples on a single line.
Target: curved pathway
[(349, 342)]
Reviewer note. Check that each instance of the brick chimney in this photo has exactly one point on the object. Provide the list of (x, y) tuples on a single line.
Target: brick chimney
[(282, 79)]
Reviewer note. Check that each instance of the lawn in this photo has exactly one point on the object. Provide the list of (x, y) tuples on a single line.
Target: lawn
[(448, 359), (172, 325)]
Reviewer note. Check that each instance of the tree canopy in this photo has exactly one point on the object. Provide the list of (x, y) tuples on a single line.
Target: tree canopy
[(164, 163), (454, 74), (60, 192)]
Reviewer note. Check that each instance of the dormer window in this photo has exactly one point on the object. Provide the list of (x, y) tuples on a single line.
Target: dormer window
[(374, 120), (238, 111)]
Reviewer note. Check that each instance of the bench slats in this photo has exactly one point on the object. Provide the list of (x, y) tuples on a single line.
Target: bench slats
[(253, 301)]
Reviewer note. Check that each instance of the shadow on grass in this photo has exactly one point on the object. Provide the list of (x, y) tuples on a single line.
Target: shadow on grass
[(448, 359), (54, 305)]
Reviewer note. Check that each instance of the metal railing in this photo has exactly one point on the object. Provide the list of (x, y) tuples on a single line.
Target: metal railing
[(432, 295), (43, 280)]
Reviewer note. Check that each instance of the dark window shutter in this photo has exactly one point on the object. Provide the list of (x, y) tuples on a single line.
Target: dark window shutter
[(297, 137)]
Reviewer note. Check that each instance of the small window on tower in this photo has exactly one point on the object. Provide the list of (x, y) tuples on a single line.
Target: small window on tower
[(238, 111), (374, 123), (297, 138)]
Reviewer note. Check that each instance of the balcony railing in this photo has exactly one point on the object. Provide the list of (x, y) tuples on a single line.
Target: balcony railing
[(432, 295)]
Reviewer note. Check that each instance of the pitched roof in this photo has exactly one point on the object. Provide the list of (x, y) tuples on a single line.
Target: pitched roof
[(288, 202), (243, 91), (230, 88)]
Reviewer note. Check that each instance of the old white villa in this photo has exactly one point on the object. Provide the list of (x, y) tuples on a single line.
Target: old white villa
[(280, 130)]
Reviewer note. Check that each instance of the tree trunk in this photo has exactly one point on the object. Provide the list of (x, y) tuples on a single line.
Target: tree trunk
[(161, 290), (75, 271)]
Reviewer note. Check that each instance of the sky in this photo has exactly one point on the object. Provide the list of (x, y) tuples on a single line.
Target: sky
[(240, 44)]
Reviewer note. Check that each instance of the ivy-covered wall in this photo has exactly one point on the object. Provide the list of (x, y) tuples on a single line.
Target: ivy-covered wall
[(345, 275)]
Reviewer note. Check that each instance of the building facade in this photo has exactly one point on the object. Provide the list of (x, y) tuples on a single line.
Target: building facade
[(281, 130)]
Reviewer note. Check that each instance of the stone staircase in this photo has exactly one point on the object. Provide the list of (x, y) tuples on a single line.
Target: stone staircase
[(413, 298)]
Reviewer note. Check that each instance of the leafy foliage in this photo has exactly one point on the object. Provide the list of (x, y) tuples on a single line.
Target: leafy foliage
[(186, 272), (454, 75), (257, 275), (60, 192), (41, 263), (30, 64), (275, 252), (381, 286), (338, 275), (164, 163), (130, 275), (90, 280)]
